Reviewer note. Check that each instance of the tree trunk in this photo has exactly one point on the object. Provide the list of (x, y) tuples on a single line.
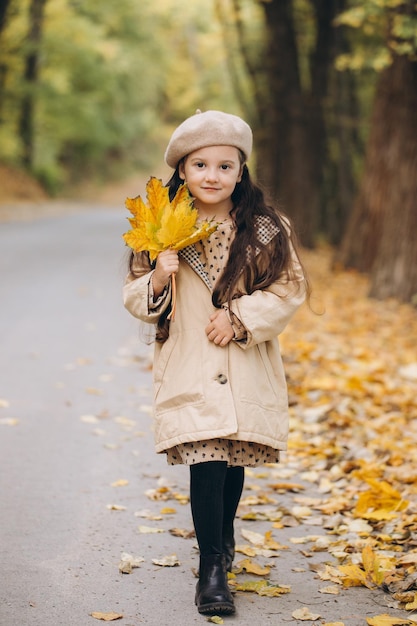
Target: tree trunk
[(31, 74), (321, 67), (4, 5), (381, 237), (394, 272), (339, 112), (293, 179), (258, 112)]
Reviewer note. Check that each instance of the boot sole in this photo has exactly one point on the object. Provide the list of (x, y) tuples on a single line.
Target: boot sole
[(217, 608)]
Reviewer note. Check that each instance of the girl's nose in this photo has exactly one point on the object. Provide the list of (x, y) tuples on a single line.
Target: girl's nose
[(211, 174)]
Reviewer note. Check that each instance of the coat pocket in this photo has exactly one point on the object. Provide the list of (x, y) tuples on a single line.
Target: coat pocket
[(260, 384), (178, 373)]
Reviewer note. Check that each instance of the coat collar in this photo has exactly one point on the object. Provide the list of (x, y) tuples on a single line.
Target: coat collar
[(266, 230), (190, 256)]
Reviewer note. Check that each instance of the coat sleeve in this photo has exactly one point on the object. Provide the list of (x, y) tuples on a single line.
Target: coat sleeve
[(265, 313), (138, 293)]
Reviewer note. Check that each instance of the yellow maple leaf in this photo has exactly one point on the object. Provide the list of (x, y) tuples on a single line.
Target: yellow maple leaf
[(380, 502), (162, 224), (177, 224), (372, 573)]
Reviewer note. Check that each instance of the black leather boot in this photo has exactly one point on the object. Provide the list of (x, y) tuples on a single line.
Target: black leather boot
[(213, 595), (229, 547)]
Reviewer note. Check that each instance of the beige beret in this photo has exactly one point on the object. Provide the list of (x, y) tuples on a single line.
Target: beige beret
[(211, 128)]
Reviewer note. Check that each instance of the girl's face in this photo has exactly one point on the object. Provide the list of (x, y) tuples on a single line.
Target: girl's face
[(211, 174)]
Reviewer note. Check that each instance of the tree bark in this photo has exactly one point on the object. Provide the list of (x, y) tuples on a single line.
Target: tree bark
[(259, 110), (394, 272), (4, 5), (293, 177), (335, 93), (31, 74), (381, 238)]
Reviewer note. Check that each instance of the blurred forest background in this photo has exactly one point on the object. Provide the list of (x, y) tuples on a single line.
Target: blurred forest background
[(92, 90)]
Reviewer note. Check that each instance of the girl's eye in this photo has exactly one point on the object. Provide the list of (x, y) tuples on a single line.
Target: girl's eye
[(200, 165), (225, 166)]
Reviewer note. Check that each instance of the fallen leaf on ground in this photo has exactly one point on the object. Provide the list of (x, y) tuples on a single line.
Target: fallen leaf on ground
[(94, 391), (146, 514), (122, 482), (181, 532), (128, 562), (149, 530), (263, 588), (389, 620), (305, 614), (370, 573), (167, 561), (89, 419), (116, 507), (332, 589), (9, 421), (251, 568), (106, 617), (215, 619)]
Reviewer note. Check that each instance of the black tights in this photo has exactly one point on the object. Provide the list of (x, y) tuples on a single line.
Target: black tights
[(215, 491)]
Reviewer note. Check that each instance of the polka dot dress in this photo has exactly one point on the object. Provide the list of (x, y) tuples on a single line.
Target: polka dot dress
[(213, 253), (242, 453)]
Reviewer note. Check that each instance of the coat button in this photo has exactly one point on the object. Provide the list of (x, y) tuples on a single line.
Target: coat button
[(221, 378)]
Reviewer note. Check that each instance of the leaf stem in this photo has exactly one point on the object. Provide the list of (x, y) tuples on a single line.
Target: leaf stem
[(171, 316)]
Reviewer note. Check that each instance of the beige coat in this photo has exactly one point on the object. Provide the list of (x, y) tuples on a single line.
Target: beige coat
[(203, 391)]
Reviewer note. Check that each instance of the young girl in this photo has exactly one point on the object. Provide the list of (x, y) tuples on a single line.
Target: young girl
[(220, 397)]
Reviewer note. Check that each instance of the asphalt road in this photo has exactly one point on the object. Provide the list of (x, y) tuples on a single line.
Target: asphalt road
[(76, 439)]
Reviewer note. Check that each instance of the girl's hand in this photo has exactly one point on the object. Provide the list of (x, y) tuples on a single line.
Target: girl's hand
[(220, 330), (167, 263)]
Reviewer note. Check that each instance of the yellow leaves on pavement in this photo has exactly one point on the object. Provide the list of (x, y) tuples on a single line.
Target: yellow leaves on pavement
[(215, 619), (128, 562), (380, 502), (149, 530), (106, 617), (165, 493), (167, 510), (181, 532), (167, 561), (9, 421), (331, 589), (305, 614), (262, 588), (122, 482), (388, 620), (372, 572), (251, 568)]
